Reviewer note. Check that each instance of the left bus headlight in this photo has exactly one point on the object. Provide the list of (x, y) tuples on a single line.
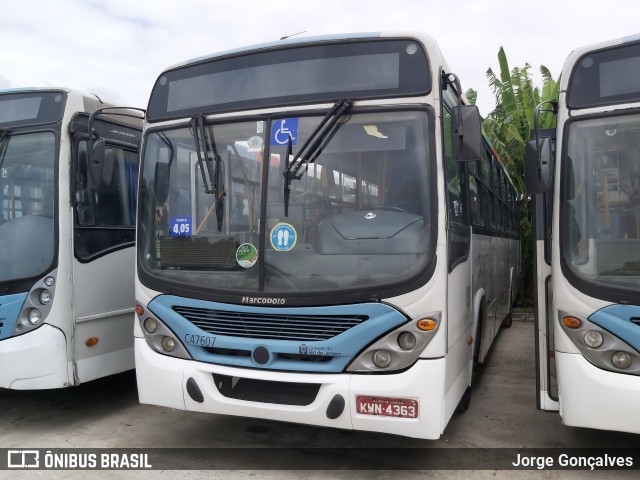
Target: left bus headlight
[(160, 337), (599, 346), (399, 348)]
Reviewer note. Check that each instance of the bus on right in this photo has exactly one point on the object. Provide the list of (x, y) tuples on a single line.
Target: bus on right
[(584, 179)]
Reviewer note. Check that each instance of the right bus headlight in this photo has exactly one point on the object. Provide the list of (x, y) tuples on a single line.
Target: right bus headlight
[(160, 337), (399, 348), (599, 346), (37, 305)]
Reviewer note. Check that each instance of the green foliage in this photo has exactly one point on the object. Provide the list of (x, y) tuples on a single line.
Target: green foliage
[(508, 128), (471, 95)]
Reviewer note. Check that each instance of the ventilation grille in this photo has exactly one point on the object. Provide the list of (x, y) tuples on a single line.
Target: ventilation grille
[(270, 326)]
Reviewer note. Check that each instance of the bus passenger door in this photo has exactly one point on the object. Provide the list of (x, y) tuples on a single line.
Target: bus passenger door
[(459, 311), (546, 378), (103, 264)]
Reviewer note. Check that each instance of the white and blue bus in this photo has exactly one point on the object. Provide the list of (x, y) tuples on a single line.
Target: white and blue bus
[(67, 232), (587, 211), (323, 236)]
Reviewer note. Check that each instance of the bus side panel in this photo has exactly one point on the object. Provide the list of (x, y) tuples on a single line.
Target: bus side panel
[(104, 300)]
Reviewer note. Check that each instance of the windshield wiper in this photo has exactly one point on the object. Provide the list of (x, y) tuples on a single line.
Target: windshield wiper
[(312, 147), (4, 133), (207, 153), (205, 150)]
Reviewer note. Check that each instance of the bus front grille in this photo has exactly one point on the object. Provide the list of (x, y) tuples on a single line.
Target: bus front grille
[(276, 326)]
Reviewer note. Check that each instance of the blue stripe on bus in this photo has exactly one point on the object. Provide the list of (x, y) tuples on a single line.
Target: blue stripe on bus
[(340, 350), (10, 307), (617, 320)]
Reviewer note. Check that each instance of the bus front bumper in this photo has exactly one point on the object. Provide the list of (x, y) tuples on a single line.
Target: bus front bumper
[(164, 380), (595, 398), (33, 361)]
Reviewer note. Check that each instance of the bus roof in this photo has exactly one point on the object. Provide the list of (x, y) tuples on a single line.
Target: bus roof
[(305, 40)]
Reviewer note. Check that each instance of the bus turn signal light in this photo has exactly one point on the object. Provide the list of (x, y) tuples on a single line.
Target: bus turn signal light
[(139, 310), (90, 342), (571, 322), (426, 324)]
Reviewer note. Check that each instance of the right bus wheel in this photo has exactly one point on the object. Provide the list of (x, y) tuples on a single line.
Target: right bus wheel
[(465, 401)]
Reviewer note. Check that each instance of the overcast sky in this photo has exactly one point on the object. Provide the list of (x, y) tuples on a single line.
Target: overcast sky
[(117, 48)]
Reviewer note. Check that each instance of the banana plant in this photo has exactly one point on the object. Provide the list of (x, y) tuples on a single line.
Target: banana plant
[(508, 127)]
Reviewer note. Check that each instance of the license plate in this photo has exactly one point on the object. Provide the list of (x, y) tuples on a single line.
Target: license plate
[(387, 407)]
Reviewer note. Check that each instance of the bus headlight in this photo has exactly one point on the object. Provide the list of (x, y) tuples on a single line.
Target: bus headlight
[(159, 336), (399, 348), (593, 339), (602, 348), (37, 305), (407, 341), (34, 316), (150, 325), (168, 344), (45, 296), (381, 358), (621, 360)]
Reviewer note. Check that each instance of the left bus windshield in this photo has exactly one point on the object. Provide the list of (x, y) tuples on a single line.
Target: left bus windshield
[(359, 214), (601, 201), (27, 192)]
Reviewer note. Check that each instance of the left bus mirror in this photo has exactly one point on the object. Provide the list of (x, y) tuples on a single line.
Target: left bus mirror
[(102, 162), (537, 165), (466, 133)]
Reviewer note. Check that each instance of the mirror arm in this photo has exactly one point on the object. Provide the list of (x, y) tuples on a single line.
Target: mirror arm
[(107, 111), (536, 122)]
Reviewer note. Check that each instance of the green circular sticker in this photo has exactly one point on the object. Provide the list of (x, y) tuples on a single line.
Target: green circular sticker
[(246, 255)]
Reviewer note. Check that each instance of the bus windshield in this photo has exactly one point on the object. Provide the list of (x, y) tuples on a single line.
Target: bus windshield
[(361, 203), (27, 192), (601, 200)]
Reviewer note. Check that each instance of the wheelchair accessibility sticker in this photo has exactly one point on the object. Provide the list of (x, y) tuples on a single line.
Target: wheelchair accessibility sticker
[(283, 130), (283, 237)]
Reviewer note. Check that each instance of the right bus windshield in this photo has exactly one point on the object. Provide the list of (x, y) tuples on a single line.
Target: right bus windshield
[(600, 209)]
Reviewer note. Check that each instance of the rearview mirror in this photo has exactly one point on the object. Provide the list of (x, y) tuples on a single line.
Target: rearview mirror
[(466, 133), (538, 163)]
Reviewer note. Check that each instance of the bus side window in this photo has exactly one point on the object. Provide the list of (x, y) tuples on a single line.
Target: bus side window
[(105, 215)]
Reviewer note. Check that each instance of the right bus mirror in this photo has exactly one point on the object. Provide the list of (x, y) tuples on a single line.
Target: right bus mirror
[(466, 133), (538, 162)]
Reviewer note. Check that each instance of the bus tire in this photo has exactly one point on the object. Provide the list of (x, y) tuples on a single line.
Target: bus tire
[(508, 319)]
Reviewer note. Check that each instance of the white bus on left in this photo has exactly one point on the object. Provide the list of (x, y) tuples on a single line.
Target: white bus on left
[(67, 230)]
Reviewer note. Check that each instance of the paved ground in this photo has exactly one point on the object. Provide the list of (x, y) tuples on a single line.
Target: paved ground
[(106, 413)]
